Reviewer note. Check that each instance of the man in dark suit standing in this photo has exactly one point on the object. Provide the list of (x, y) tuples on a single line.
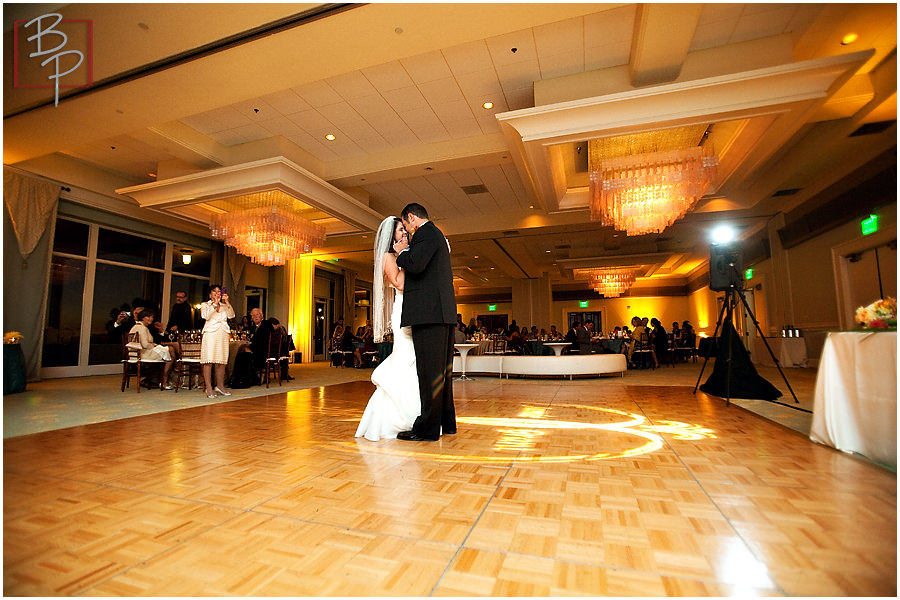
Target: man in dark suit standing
[(429, 306)]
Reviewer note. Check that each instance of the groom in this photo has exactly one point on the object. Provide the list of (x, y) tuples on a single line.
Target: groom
[(429, 306)]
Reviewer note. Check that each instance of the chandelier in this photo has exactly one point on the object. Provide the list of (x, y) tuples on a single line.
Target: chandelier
[(639, 191), (608, 281), (267, 228)]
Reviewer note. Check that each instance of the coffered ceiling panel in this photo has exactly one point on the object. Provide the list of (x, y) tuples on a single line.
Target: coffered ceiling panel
[(402, 88)]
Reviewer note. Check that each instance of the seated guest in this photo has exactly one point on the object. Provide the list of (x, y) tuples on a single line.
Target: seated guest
[(516, 343), (542, 335), (459, 335), (636, 334), (676, 331), (473, 327), (347, 346), (688, 336), (244, 325), (479, 326), (259, 345), (554, 334), (117, 328), (150, 350), (660, 339), (572, 338)]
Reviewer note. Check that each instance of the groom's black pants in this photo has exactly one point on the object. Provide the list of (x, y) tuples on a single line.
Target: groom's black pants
[(433, 345)]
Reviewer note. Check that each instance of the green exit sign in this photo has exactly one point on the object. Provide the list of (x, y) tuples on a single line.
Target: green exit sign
[(869, 225), (492, 307), (583, 304), (748, 274)]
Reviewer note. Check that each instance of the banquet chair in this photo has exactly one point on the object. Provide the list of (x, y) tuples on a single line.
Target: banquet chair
[(133, 364), (642, 355), (188, 364), (499, 346), (273, 358), (687, 347)]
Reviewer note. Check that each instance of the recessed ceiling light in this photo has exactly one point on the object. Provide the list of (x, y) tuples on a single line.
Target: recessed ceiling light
[(531, 206), (476, 256), (151, 174), (330, 137), (488, 105), (548, 252), (849, 39)]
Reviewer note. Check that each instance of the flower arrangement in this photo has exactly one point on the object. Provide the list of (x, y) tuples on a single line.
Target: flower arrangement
[(12, 337), (881, 314)]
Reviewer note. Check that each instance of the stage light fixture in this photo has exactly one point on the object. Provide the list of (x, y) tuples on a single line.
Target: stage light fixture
[(723, 234)]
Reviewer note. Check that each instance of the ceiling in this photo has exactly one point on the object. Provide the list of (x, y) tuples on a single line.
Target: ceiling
[(185, 109)]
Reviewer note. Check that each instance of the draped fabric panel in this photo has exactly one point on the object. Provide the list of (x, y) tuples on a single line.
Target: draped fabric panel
[(31, 205), (235, 268), (349, 297)]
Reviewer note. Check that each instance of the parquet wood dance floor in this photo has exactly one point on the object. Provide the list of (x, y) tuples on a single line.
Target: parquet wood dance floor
[(590, 487)]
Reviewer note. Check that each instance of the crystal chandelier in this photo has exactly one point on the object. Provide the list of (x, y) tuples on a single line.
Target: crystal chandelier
[(608, 281), (640, 191), (266, 227)]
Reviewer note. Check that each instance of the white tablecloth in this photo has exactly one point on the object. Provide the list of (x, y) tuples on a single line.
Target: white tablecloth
[(855, 406), (791, 352), (484, 346)]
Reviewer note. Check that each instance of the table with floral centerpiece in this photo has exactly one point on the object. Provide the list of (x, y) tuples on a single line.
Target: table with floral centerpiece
[(855, 405)]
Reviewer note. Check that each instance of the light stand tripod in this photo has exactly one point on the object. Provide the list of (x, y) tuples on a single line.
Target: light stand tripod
[(732, 294)]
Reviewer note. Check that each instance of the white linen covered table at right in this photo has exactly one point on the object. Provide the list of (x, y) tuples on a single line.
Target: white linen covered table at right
[(855, 407)]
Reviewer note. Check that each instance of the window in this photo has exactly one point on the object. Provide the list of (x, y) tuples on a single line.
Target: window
[(62, 333), (96, 272), (71, 237), (117, 287), (130, 249)]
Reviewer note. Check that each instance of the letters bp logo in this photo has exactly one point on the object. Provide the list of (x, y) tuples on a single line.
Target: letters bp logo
[(52, 52)]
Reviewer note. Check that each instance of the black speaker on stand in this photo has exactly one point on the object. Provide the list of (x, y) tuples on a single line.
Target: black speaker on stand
[(725, 266), (733, 371)]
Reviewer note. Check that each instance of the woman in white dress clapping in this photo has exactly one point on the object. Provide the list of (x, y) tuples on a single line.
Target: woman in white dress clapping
[(216, 333)]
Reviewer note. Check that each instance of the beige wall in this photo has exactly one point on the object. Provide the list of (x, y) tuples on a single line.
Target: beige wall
[(812, 288)]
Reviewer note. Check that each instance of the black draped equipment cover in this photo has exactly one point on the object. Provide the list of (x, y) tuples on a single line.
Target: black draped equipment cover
[(745, 381)]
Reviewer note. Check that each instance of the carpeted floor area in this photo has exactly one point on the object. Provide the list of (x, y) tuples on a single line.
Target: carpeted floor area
[(60, 403)]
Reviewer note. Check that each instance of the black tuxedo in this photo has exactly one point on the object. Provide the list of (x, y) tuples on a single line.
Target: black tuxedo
[(429, 306), (259, 343)]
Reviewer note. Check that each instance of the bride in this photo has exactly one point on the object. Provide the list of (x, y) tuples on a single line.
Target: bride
[(395, 404)]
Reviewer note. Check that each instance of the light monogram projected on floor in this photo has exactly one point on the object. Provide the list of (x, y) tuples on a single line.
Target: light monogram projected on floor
[(533, 426)]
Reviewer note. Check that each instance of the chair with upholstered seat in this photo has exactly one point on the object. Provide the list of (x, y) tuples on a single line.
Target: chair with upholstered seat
[(188, 364), (133, 365), (273, 358), (642, 354)]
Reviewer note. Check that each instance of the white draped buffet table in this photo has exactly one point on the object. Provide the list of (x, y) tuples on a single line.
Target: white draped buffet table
[(855, 407), (791, 352)]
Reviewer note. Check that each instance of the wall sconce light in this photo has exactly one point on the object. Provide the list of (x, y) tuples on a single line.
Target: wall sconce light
[(186, 257)]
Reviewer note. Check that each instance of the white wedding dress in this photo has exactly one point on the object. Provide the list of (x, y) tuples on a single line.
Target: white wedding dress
[(395, 404)]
